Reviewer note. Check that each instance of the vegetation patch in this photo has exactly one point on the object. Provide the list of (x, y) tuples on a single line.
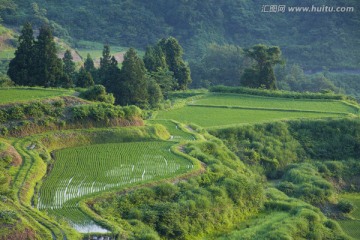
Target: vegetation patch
[(351, 225), (63, 113), (11, 95), (251, 101), (219, 117), (278, 93)]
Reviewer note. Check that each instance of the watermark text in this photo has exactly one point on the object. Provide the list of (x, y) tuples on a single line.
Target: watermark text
[(308, 9)]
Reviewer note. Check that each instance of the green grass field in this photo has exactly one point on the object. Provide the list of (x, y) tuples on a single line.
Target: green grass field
[(217, 110), (352, 227), (82, 171), (176, 133), (249, 101), (8, 95), (217, 117)]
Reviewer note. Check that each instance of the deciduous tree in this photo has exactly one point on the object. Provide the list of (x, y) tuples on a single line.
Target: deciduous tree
[(263, 73)]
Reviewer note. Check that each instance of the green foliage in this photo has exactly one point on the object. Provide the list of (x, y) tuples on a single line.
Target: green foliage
[(98, 93), (304, 182), (286, 218), (206, 203), (155, 59), (345, 206), (220, 64), (108, 72), (347, 82), (173, 55), (84, 79), (69, 67), (292, 78), (21, 69), (197, 24), (5, 81), (165, 79), (132, 89), (47, 66), (262, 74), (155, 94)]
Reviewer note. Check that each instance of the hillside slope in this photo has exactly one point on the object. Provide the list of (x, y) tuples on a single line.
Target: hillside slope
[(311, 39)]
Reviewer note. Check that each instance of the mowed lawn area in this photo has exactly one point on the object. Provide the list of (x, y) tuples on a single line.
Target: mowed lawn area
[(352, 227), (8, 95), (249, 101)]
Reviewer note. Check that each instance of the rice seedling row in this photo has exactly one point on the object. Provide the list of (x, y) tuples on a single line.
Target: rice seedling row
[(218, 117), (174, 129), (243, 100), (82, 171)]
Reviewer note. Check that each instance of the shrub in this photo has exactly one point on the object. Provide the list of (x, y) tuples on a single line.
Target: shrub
[(16, 113), (98, 93), (3, 116), (4, 131), (34, 110), (345, 206)]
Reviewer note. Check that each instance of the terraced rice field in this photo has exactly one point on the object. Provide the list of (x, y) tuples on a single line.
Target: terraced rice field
[(176, 133), (8, 95), (218, 110), (82, 171), (217, 117), (249, 101)]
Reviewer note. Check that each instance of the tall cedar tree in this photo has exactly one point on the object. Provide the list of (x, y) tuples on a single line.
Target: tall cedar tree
[(69, 65), (21, 66), (90, 67), (173, 53), (84, 79), (47, 66), (262, 74), (89, 64), (154, 59), (105, 63), (133, 85)]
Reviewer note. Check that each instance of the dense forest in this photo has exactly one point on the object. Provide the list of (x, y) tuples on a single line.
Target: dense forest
[(310, 40)]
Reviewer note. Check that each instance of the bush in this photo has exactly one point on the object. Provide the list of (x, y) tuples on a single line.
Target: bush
[(345, 206), (16, 113), (98, 93)]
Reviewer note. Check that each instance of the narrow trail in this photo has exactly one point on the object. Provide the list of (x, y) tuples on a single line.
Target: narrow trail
[(20, 181)]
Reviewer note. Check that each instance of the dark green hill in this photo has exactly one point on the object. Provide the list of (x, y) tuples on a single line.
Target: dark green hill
[(311, 39)]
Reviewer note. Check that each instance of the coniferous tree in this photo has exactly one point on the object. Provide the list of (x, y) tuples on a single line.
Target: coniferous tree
[(89, 64), (69, 66), (21, 67), (112, 75), (155, 93), (84, 79), (105, 63), (154, 59), (47, 65), (173, 53), (133, 85), (90, 67)]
